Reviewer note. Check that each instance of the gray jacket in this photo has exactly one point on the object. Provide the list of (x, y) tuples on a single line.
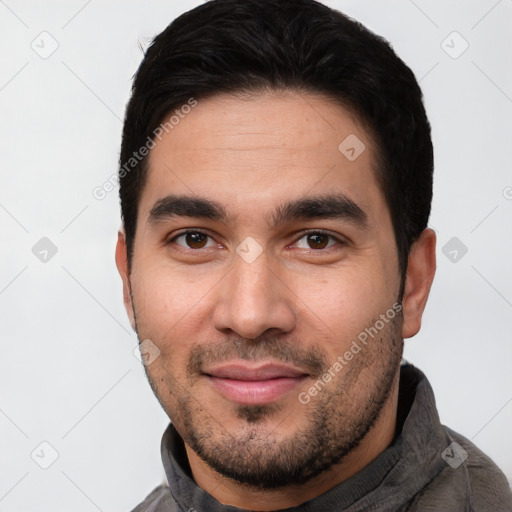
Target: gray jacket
[(427, 468)]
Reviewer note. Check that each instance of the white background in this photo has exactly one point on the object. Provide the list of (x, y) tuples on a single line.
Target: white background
[(68, 374)]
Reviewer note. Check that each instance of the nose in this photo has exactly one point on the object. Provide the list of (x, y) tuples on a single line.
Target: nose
[(252, 299)]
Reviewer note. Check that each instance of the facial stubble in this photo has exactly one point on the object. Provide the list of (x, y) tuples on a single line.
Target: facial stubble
[(334, 422)]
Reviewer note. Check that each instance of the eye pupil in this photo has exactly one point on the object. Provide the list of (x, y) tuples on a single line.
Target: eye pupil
[(196, 240), (317, 241)]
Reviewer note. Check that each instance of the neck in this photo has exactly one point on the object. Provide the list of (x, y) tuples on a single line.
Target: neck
[(229, 492)]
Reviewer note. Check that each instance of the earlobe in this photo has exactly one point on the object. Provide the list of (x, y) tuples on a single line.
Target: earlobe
[(420, 274), (122, 267)]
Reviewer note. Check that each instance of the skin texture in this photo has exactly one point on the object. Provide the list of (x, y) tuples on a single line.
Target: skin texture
[(301, 302)]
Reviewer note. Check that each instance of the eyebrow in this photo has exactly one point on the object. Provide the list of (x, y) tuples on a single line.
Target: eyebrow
[(334, 206)]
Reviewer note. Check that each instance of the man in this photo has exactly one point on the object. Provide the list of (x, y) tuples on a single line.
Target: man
[(276, 183)]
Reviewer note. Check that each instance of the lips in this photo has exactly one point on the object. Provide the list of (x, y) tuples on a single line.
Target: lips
[(254, 384)]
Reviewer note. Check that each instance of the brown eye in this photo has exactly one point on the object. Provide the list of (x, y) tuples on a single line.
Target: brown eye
[(193, 240), (317, 240), (196, 240)]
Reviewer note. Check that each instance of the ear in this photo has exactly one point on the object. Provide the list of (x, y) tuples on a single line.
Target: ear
[(122, 267), (420, 274)]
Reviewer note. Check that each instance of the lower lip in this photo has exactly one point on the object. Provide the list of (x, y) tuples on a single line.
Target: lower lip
[(258, 392)]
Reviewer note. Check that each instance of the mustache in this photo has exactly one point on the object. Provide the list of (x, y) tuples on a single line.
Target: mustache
[(311, 360)]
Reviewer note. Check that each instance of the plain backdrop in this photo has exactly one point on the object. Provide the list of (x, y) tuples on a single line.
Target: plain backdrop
[(69, 377)]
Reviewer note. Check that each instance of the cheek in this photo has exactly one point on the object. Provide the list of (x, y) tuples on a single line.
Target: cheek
[(173, 308), (165, 294), (343, 303)]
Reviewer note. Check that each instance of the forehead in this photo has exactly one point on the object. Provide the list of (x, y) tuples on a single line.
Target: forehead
[(255, 151)]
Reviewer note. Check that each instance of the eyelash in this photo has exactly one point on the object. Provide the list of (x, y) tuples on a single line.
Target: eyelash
[(302, 235)]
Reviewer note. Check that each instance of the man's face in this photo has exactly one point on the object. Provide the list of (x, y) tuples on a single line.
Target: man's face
[(253, 299)]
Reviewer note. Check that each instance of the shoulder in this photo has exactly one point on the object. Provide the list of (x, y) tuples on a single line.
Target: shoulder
[(159, 500), (470, 481), (488, 484)]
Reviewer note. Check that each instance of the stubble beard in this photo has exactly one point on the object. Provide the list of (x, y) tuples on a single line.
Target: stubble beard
[(332, 425)]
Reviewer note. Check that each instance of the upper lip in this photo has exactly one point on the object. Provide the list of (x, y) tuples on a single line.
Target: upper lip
[(240, 371)]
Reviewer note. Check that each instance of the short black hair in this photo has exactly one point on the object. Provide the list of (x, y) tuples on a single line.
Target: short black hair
[(233, 46)]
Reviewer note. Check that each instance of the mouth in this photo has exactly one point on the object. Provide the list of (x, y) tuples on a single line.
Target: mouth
[(259, 384)]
